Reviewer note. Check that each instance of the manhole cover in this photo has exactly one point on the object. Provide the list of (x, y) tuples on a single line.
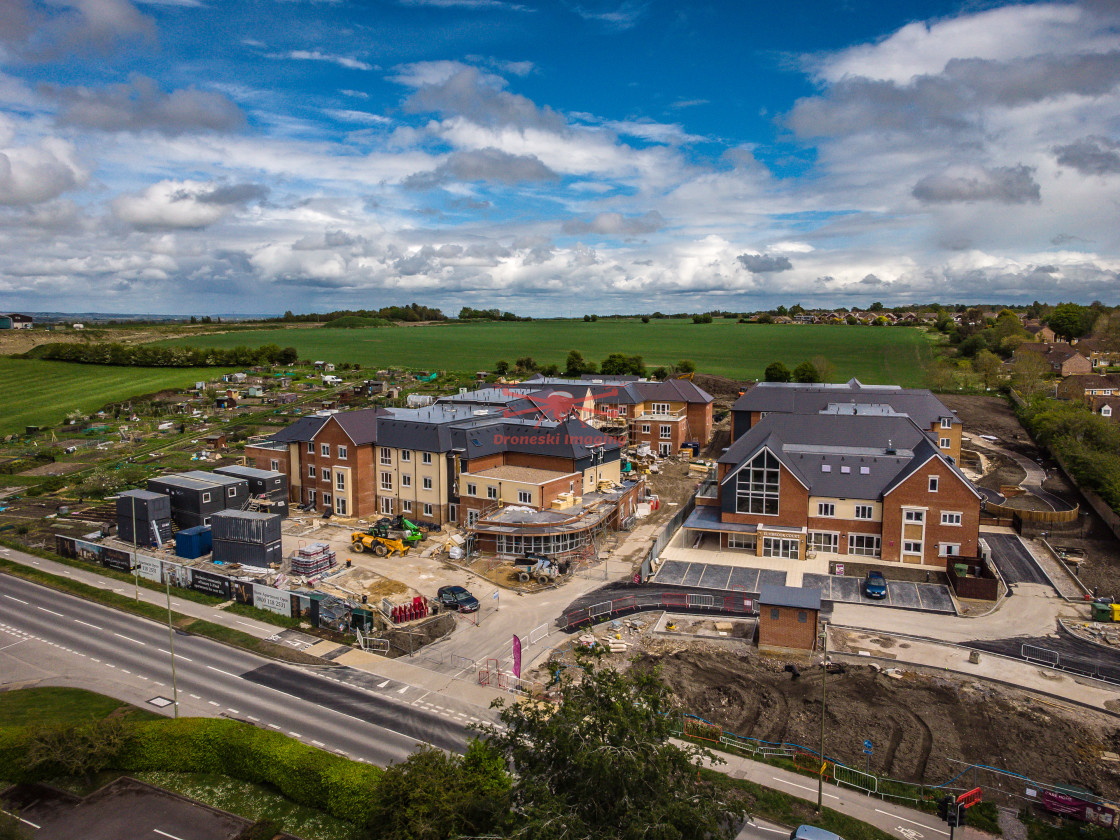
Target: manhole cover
[(160, 702)]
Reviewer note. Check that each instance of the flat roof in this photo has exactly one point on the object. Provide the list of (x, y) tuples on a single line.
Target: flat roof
[(525, 475), (789, 596)]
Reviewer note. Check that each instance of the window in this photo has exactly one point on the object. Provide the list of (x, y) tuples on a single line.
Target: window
[(865, 470), (622, 409), (645, 428), (340, 507), (274, 465), (865, 512), (664, 449), (866, 545), (339, 481), (491, 492), (326, 500), (659, 408), (911, 547), (775, 613), (744, 541), (756, 489), (310, 448), (327, 476), (406, 455), (427, 509), (949, 549), (427, 483), (311, 497), (342, 453), (666, 432), (826, 468), (949, 517), (946, 422), (1106, 411), (780, 547), (406, 506), (231, 492), (425, 457), (826, 509), (933, 484), (386, 456), (915, 516), (845, 470), (472, 517), (824, 541), (406, 480), (472, 489), (386, 504), (325, 450), (524, 497), (206, 496), (802, 617), (386, 481)]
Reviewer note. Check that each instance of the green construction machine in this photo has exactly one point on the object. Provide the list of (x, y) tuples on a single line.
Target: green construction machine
[(397, 528)]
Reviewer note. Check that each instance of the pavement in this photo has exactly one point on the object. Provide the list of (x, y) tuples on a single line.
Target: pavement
[(1013, 559)]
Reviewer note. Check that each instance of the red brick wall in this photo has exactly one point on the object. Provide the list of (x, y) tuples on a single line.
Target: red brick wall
[(787, 631), (951, 495), (700, 421), (359, 459)]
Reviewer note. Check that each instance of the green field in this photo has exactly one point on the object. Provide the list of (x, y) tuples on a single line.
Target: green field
[(879, 355), (41, 393)]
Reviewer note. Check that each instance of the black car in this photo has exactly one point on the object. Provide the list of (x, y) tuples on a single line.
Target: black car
[(457, 598)]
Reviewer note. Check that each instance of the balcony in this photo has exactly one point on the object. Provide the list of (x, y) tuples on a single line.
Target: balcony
[(709, 489), (659, 415)]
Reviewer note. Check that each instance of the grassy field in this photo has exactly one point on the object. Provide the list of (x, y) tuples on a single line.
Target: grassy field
[(41, 393), (61, 707), (881, 355)]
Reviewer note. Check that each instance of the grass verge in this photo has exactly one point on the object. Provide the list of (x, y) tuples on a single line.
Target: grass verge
[(188, 624), (52, 706)]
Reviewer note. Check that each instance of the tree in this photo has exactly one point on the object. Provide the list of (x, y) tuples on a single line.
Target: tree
[(988, 367), (645, 319), (805, 372), (703, 318), (619, 364), (433, 794), (527, 364), (1070, 321), (777, 372), (824, 367), (686, 366), (1029, 372), (601, 764), (576, 365), (502, 367), (660, 373), (877, 306)]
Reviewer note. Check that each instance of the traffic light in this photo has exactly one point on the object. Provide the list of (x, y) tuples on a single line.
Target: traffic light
[(954, 815), (962, 812), (943, 807)]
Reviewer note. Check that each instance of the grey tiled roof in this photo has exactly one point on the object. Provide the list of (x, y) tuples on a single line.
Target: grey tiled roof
[(300, 431), (789, 596), (795, 398)]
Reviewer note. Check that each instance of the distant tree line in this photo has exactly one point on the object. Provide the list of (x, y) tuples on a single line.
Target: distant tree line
[(468, 314), (411, 313), (146, 355)]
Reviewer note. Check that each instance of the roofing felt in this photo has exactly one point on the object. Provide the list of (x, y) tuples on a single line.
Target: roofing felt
[(846, 456), (789, 596), (796, 398)]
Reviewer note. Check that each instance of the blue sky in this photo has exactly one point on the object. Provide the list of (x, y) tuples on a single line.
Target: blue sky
[(197, 156)]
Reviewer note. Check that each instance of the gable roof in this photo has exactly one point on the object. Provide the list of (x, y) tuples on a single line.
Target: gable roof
[(302, 430), (676, 390), (795, 398)]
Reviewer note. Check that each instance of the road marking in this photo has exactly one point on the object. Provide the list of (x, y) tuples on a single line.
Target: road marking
[(165, 834), (245, 623), (403, 690), (108, 665), (13, 644), (794, 784), (254, 719), (232, 711), (52, 612), (220, 671), (130, 639), (379, 685), (196, 697), (13, 598), (21, 819), (123, 671), (294, 734), (177, 656), (273, 726), (87, 624), (318, 743), (920, 825), (212, 703), (91, 659)]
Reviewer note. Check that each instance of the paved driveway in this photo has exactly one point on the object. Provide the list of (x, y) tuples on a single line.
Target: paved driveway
[(1014, 560), (717, 576)]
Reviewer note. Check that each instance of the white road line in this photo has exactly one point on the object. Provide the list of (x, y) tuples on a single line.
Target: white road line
[(273, 726), (318, 743), (196, 697), (212, 703), (920, 825), (254, 719), (108, 665), (220, 671), (21, 819), (232, 711), (123, 671), (13, 598), (379, 685), (52, 612), (130, 639), (245, 623), (91, 659), (177, 656), (87, 624), (403, 690), (764, 828), (294, 734), (13, 644), (165, 834), (794, 784)]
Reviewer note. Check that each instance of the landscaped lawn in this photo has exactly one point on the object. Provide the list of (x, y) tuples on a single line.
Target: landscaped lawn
[(880, 355), (41, 393), (56, 706)]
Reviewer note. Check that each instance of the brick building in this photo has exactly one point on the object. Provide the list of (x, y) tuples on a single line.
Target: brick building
[(873, 486), (1062, 357), (787, 619)]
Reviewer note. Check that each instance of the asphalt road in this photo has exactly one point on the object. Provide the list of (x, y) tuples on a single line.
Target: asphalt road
[(1013, 559), (378, 726)]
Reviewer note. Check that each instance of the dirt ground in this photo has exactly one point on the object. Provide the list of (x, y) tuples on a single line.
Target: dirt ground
[(917, 723)]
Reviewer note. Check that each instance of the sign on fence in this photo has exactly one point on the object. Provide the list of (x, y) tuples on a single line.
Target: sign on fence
[(274, 600)]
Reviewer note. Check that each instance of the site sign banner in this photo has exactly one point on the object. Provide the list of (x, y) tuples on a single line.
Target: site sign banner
[(150, 568), (278, 601), (209, 583), (114, 558)]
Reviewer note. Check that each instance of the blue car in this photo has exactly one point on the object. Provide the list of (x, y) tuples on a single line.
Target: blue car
[(875, 585)]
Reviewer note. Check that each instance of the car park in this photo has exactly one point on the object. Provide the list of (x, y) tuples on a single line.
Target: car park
[(456, 598)]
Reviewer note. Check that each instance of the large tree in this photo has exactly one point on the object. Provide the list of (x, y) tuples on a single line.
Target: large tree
[(601, 764), (777, 372), (1070, 320)]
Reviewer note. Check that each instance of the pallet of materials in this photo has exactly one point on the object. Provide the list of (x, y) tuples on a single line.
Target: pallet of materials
[(314, 559)]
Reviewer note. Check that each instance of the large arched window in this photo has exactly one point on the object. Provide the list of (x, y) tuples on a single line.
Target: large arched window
[(757, 485)]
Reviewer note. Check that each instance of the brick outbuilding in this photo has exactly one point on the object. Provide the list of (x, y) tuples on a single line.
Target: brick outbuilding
[(787, 619)]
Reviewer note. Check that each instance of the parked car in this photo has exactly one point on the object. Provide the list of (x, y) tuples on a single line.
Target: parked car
[(457, 598), (875, 585)]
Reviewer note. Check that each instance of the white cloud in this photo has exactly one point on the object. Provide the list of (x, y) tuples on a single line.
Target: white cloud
[(34, 174), (183, 204), (348, 62)]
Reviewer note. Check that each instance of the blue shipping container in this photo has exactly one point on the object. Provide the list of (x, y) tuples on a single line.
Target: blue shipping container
[(192, 543)]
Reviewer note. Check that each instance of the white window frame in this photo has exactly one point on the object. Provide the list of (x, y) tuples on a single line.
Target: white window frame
[(946, 422), (387, 504), (386, 457), (783, 547), (406, 480), (826, 509), (659, 408), (326, 475), (758, 488), (206, 496), (340, 481), (327, 500), (914, 517), (865, 470), (826, 468), (472, 489), (310, 447), (645, 428), (406, 456), (825, 541), (406, 506), (325, 450), (912, 547), (427, 482), (428, 509), (745, 542), (865, 545), (1106, 411), (951, 518), (342, 452), (665, 448), (524, 497), (622, 410), (946, 443), (666, 432), (425, 457), (311, 471), (311, 497), (934, 483), (948, 549), (274, 465), (868, 509), (491, 491), (386, 483), (231, 492), (340, 507)]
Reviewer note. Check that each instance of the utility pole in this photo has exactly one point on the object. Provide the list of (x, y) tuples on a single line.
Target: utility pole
[(824, 695), (135, 560), (171, 636)]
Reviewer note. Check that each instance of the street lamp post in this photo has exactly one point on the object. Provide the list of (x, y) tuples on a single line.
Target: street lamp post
[(824, 684), (171, 636)]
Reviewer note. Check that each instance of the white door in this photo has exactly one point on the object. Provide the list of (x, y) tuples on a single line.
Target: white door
[(664, 449)]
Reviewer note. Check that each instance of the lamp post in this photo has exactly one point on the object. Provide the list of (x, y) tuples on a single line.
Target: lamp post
[(824, 684), (171, 637)]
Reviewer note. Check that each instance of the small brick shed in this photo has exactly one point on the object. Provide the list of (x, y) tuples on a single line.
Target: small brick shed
[(787, 618)]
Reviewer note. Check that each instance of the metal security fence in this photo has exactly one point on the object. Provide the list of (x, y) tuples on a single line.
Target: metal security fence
[(664, 536), (1082, 666), (729, 603)]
